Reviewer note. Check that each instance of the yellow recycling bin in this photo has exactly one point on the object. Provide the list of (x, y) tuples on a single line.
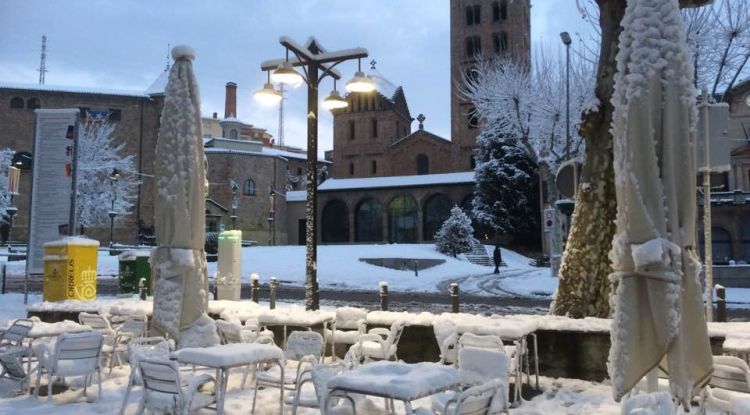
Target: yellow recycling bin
[(70, 269)]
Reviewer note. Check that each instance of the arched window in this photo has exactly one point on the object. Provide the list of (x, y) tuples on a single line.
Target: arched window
[(33, 103), (374, 123), (16, 103), (500, 42), (745, 235), (436, 209), (473, 47), (423, 164), (335, 220), (721, 245), (402, 220), (249, 189), (233, 134), (368, 221), (374, 167)]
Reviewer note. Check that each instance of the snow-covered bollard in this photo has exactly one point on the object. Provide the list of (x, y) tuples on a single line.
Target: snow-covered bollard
[(272, 300), (454, 297), (255, 287), (384, 295), (142, 289), (721, 303)]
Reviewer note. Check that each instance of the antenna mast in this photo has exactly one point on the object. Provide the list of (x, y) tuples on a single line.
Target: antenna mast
[(43, 64), (167, 68)]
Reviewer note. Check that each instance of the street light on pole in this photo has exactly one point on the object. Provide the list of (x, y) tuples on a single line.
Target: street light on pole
[(565, 37), (113, 178), (317, 63)]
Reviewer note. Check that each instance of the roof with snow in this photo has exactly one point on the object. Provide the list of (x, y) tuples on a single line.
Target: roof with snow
[(397, 181), (383, 85), (296, 196), (159, 85), (422, 133), (210, 142), (74, 89)]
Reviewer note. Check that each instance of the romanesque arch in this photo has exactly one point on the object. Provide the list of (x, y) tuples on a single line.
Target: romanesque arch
[(335, 218), (403, 219), (436, 209), (368, 221)]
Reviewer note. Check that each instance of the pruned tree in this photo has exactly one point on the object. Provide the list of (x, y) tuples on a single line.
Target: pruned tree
[(528, 104), (505, 195), (104, 174), (455, 236)]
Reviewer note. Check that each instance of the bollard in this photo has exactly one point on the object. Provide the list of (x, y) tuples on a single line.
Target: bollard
[(721, 303), (255, 287), (272, 300), (416, 268), (4, 270), (142, 289), (454, 297), (384, 295)]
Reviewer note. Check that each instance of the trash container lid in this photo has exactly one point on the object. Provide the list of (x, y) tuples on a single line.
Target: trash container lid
[(73, 240), (133, 254)]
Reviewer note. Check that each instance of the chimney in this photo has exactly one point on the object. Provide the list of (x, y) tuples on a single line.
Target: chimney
[(230, 102)]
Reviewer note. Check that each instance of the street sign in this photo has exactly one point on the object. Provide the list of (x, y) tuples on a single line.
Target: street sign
[(567, 177)]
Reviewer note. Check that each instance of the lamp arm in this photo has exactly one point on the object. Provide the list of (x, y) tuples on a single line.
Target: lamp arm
[(304, 67), (328, 71)]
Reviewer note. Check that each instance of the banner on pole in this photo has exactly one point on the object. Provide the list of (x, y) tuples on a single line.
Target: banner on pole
[(52, 198)]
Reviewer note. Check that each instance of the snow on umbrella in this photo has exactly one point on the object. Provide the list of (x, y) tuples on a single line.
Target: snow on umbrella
[(179, 262), (658, 317)]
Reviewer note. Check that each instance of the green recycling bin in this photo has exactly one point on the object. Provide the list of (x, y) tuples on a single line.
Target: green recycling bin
[(134, 266)]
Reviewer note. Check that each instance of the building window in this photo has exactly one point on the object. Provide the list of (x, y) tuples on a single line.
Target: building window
[(500, 11), (473, 15), (33, 103), (374, 167), (351, 129), (436, 210), (16, 103), (115, 114), (374, 128), (471, 75), (423, 164), (233, 134), (402, 220), (351, 169), (500, 42), (335, 222), (368, 221), (472, 118), (473, 163), (299, 171), (473, 47), (249, 189)]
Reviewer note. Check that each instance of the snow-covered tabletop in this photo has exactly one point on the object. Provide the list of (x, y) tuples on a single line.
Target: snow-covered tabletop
[(387, 318), (505, 328), (402, 381), (229, 355), (737, 342), (281, 317), (41, 329)]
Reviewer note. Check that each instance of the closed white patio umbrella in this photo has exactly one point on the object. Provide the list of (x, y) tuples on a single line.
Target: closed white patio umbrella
[(179, 262), (659, 318)]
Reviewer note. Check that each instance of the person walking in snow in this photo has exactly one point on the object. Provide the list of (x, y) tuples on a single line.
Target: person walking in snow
[(497, 259)]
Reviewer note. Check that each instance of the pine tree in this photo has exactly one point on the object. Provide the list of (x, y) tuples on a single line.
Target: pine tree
[(456, 234), (506, 193)]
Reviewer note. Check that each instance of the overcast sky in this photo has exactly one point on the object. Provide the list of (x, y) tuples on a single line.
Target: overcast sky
[(123, 44)]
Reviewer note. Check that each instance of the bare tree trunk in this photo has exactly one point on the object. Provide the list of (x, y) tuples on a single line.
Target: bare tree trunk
[(584, 285)]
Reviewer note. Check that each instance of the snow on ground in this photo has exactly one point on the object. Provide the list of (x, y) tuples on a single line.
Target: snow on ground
[(340, 266)]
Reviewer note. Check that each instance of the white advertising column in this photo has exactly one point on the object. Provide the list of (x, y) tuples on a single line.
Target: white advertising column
[(228, 281)]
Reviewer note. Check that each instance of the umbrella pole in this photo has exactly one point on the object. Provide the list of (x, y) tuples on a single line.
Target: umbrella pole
[(707, 250)]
